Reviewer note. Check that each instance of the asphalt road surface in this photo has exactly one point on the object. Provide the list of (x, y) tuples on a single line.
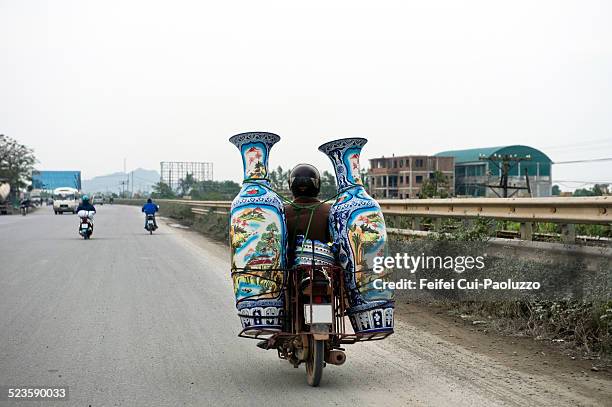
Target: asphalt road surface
[(128, 319)]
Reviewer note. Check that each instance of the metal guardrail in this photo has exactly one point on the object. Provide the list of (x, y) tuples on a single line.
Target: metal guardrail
[(198, 204), (572, 210), (566, 211)]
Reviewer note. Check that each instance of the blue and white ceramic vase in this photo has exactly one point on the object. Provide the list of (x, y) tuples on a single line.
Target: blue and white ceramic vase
[(258, 238), (358, 228)]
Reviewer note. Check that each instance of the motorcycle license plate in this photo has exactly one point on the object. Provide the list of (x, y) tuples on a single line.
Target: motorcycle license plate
[(321, 314), (84, 227)]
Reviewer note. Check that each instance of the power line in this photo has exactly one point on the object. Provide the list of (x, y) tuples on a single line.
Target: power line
[(585, 182), (584, 161)]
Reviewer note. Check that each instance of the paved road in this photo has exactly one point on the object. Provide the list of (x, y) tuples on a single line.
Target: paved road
[(128, 319)]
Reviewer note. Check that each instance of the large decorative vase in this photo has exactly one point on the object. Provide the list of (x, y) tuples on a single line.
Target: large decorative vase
[(358, 228), (258, 238)]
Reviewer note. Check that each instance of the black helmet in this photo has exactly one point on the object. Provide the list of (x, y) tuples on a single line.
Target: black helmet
[(304, 180), (149, 200)]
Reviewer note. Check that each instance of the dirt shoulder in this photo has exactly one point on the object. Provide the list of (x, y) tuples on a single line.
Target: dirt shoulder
[(540, 362)]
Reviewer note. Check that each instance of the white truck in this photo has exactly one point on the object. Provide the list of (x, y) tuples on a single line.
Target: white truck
[(65, 199)]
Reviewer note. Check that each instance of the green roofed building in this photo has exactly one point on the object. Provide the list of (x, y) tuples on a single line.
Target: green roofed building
[(472, 173)]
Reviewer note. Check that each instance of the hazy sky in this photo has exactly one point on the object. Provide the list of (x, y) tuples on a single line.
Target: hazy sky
[(88, 83)]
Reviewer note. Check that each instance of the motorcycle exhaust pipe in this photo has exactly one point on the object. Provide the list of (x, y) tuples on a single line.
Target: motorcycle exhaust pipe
[(336, 357)]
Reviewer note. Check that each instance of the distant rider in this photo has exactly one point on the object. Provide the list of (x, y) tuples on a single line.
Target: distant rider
[(24, 204), (150, 209), (85, 205)]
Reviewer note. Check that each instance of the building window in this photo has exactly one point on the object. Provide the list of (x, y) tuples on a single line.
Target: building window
[(401, 179), (394, 163), (419, 178), (419, 163), (401, 163)]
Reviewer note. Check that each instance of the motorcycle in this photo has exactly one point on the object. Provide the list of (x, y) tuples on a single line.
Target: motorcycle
[(23, 208), (86, 224), (150, 223), (314, 328)]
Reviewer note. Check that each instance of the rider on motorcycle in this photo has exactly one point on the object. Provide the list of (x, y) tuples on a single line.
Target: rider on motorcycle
[(305, 185), (85, 205), (25, 203), (150, 209)]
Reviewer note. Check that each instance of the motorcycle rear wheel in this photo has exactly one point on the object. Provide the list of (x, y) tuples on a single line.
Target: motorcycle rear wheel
[(315, 362)]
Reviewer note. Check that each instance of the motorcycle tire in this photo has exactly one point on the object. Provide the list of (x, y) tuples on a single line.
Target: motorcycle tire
[(315, 362)]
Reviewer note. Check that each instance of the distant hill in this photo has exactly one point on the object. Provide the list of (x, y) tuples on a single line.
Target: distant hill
[(143, 181)]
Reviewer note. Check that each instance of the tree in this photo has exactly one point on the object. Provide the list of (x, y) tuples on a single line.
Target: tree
[(215, 190), (597, 190), (328, 185), (279, 179), (435, 186), (556, 191), (163, 191), (185, 184), (601, 189), (16, 162)]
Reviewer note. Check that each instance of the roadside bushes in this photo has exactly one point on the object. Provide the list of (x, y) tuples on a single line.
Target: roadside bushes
[(213, 225), (574, 308), (585, 326), (182, 213)]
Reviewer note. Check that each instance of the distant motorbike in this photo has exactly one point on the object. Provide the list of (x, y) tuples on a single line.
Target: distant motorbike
[(23, 208), (150, 224), (86, 223)]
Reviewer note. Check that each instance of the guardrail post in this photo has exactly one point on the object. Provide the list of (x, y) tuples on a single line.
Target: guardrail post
[(437, 222), (568, 233), (416, 223), (526, 230), (492, 227), (393, 221)]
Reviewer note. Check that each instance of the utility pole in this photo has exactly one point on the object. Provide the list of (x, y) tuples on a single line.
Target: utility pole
[(505, 163)]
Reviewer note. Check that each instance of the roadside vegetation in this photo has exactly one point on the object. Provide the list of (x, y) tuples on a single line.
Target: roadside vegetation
[(16, 164), (579, 325)]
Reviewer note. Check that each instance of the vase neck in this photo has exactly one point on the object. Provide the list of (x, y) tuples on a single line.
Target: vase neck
[(345, 159), (254, 150)]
